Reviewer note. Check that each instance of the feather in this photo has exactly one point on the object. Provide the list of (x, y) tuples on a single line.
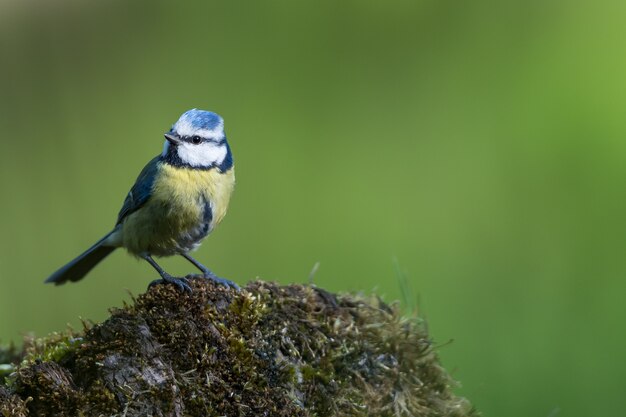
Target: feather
[(83, 263), (141, 191)]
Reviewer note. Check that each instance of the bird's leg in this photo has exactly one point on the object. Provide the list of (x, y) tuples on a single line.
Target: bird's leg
[(181, 283), (206, 273)]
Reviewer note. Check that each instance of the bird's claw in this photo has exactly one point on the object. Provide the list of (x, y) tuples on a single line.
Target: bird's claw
[(216, 279), (181, 283)]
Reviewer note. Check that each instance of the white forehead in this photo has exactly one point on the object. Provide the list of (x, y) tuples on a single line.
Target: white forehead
[(196, 123)]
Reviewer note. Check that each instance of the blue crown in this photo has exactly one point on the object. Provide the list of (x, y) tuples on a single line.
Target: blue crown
[(201, 119)]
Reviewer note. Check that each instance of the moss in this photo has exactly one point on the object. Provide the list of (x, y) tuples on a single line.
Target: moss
[(12, 405), (54, 347), (268, 350)]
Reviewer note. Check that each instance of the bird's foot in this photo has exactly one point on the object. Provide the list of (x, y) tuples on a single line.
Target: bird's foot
[(211, 276), (181, 283)]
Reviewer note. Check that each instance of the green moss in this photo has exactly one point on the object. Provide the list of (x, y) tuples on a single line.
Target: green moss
[(267, 350), (53, 347)]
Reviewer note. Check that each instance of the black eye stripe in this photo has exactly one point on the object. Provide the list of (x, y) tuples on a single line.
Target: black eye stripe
[(193, 139), (196, 140)]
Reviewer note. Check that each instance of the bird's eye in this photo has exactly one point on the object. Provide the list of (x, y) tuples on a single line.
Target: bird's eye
[(196, 140)]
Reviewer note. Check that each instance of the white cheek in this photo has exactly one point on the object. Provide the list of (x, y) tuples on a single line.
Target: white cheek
[(203, 155)]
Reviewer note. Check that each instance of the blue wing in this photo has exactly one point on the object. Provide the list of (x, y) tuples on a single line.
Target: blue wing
[(141, 191)]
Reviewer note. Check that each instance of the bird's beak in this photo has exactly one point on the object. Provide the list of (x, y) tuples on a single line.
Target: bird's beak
[(173, 139)]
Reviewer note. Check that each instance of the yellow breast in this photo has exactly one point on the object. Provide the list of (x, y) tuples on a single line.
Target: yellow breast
[(180, 186), (175, 211)]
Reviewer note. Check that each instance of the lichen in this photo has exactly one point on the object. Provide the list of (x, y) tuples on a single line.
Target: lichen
[(268, 350), (9, 356)]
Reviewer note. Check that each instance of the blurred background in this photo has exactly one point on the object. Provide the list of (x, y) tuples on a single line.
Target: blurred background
[(482, 144)]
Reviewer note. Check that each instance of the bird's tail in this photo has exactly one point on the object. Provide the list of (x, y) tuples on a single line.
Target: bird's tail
[(76, 269)]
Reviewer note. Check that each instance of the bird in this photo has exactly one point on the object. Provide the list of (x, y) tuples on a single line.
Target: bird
[(179, 197)]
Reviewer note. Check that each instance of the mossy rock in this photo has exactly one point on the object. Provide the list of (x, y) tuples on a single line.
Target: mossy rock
[(268, 350)]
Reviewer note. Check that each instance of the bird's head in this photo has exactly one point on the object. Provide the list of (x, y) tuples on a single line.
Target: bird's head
[(197, 140)]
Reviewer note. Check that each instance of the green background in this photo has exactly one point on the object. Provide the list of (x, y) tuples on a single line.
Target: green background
[(481, 143)]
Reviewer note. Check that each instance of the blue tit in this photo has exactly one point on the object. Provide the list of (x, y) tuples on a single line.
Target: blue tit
[(177, 200)]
